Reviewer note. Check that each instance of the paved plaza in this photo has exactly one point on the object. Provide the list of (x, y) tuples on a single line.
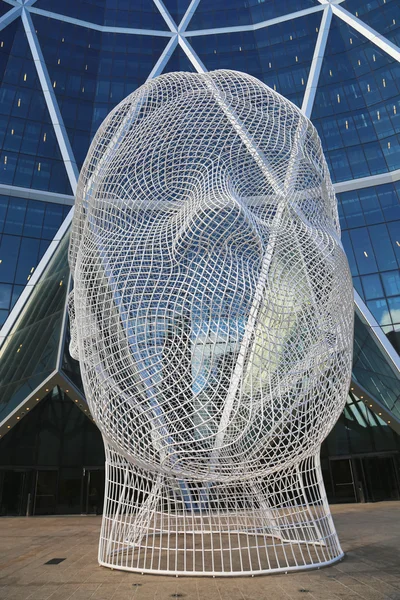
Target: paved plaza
[(369, 533)]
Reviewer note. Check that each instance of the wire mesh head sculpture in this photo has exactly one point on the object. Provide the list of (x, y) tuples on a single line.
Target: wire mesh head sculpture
[(212, 316)]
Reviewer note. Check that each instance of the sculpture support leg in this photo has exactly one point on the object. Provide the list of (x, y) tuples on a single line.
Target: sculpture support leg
[(278, 523)]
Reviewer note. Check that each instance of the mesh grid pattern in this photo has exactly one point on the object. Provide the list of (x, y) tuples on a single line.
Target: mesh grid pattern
[(212, 315)]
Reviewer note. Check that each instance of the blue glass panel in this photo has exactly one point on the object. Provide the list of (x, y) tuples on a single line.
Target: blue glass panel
[(176, 8), (279, 55), (5, 295), (370, 205), (9, 249), (379, 309), (349, 253), (363, 251), (27, 260), (383, 249), (30, 153), (15, 216), (373, 246), (394, 232), (4, 8), (92, 72), (31, 352), (34, 219), (382, 15), (351, 207), (394, 307), (357, 105), (3, 210), (29, 226), (114, 13), (391, 283), (372, 286), (219, 13), (17, 290), (54, 216), (372, 369), (3, 316), (358, 286)]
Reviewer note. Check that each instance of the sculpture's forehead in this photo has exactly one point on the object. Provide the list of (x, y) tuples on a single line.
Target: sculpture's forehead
[(214, 135)]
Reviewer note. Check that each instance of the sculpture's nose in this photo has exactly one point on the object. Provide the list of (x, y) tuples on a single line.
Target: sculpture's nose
[(214, 215)]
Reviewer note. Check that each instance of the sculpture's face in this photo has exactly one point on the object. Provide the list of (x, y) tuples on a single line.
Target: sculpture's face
[(212, 301)]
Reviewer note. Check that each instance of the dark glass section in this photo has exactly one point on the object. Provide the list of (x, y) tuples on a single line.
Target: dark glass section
[(92, 72), (113, 13), (372, 368), (179, 62), (29, 353), (176, 8), (26, 230), (4, 8), (382, 15), (70, 366), (279, 55), (30, 156), (55, 454), (219, 13), (357, 106), (370, 220), (360, 457)]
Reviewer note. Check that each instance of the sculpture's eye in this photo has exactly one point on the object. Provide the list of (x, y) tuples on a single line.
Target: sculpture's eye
[(213, 322)]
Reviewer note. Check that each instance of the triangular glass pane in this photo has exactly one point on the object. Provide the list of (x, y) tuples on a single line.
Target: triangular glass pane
[(359, 430), (279, 55), (357, 106), (381, 15), (372, 368), (177, 8), (26, 229), (219, 13), (130, 13), (69, 366), (179, 62), (30, 156), (29, 354), (92, 72), (4, 8)]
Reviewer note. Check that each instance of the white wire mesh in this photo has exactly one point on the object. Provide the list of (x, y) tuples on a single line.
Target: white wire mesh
[(212, 316)]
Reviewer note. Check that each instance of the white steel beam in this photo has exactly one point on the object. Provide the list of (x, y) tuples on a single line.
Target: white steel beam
[(10, 16), (70, 165), (367, 31), (376, 329), (166, 16), (255, 26), (164, 58), (364, 182), (97, 27), (30, 286), (191, 54), (188, 16), (32, 194), (51, 101), (316, 63)]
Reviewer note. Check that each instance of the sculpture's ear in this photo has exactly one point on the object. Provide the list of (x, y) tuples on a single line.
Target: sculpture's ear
[(73, 344)]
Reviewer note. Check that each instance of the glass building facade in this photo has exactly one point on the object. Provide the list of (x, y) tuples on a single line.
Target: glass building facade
[(64, 65)]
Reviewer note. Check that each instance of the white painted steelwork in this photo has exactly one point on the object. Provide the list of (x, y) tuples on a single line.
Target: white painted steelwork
[(212, 314)]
